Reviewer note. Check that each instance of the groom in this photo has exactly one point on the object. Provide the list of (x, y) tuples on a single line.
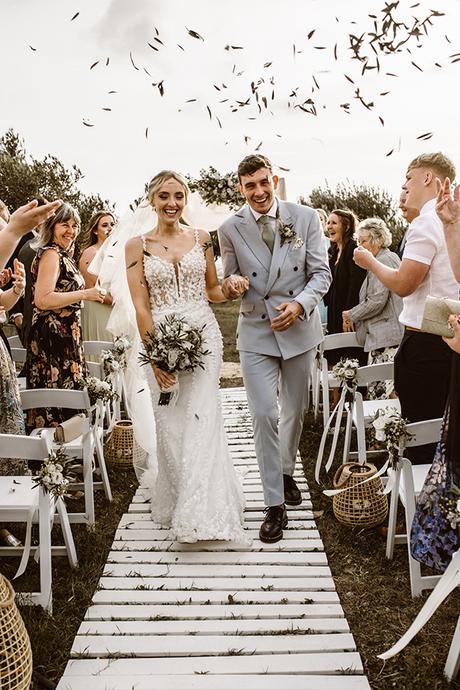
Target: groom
[(281, 248)]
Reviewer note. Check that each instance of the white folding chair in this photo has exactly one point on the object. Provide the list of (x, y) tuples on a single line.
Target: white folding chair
[(324, 380), (447, 582), (21, 501), (407, 484), (360, 412), (14, 341), (82, 447)]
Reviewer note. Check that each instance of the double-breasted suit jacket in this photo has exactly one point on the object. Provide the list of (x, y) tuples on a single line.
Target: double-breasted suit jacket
[(296, 270)]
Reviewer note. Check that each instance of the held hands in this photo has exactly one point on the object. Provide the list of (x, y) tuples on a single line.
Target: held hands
[(164, 379), (234, 286), (363, 258), (347, 325), (454, 343), (447, 207), (290, 311)]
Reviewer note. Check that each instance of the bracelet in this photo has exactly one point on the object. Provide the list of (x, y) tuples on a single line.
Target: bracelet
[(18, 294)]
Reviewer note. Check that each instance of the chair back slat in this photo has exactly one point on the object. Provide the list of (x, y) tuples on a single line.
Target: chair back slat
[(95, 347), (55, 397), (95, 369), (424, 432), (375, 372), (23, 447), (334, 341)]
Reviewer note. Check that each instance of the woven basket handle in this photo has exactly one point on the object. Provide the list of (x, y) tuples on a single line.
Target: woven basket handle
[(341, 476)]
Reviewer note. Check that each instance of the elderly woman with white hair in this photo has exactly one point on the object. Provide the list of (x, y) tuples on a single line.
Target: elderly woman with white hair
[(376, 317)]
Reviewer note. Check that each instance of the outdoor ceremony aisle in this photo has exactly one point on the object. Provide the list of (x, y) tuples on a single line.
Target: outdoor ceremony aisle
[(216, 615)]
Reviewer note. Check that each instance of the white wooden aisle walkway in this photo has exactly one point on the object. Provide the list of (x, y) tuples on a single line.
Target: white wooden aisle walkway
[(169, 616)]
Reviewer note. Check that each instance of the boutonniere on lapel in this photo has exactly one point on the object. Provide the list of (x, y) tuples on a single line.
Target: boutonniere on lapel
[(288, 234)]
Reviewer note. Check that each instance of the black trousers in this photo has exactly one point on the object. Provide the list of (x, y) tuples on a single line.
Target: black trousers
[(422, 374)]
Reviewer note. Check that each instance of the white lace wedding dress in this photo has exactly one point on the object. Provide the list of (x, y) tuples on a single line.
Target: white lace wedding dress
[(197, 493)]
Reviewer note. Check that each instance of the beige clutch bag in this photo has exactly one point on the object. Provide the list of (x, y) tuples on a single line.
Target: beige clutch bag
[(436, 313), (70, 429)]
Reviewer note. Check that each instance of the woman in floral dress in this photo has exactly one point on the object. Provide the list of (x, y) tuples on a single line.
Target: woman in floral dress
[(55, 352)]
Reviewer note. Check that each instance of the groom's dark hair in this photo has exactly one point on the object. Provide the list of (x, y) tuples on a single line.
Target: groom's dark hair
[(252, 163)]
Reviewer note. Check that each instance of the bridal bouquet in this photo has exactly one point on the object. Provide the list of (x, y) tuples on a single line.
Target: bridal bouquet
[(175, 346), (55, 474)]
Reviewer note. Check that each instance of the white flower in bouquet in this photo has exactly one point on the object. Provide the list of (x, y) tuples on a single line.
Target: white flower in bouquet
[(389, 428), (100, 390)]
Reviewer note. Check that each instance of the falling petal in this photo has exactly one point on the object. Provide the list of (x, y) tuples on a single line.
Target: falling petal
[(75, 16), (94, 64), (132, 61), (194, 34)]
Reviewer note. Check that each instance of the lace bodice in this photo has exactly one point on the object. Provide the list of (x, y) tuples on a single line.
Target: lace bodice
[(174, 284)]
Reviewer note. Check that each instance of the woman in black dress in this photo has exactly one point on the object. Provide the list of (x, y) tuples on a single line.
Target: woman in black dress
[(347, 279), (435, 535), (55, 353)]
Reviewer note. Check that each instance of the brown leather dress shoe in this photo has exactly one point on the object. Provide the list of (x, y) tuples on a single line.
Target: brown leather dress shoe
[(292, 495), (271, 529)]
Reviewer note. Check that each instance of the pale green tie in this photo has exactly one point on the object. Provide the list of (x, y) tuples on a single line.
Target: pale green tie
[(268, 235)]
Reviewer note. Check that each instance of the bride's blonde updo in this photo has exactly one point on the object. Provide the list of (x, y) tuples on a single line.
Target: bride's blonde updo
[(162, 177)]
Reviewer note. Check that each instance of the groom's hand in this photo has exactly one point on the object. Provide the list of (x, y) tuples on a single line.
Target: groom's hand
[(234, 286), (289, 312)]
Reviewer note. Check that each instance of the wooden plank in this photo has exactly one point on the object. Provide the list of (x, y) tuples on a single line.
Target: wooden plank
[(232, 584), (213, 626), (128, 534), (264, 663), (210, 557), (150, 596), (133, 612), (93, 646), (141, 542), (217, 570), (204, 681)]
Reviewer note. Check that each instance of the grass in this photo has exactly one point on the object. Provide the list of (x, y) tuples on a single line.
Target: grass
[(374, 592), (52, 636)]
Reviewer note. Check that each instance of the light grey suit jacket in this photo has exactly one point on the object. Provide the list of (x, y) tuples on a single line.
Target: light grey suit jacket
[(292, 272), (377, 314)]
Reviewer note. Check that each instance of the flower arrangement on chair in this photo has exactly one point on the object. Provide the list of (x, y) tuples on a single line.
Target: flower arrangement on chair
[(55, 474)]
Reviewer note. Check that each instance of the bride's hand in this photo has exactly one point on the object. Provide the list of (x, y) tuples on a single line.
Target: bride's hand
[(164, 379)]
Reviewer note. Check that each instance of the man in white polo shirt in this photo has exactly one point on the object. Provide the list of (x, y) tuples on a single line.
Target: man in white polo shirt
[(422, 363)]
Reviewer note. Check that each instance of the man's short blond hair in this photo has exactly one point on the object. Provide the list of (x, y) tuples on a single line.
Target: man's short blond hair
[(437, 162)]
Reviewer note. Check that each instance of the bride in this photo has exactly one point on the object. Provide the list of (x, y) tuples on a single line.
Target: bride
[(171, 270)]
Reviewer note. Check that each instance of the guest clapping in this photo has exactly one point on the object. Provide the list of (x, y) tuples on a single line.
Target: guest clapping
[(376, 318)]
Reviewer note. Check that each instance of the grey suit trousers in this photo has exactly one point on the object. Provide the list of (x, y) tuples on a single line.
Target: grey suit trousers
[(270, 381)]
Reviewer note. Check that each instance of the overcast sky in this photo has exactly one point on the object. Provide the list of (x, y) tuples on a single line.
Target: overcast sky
[(48, 93)]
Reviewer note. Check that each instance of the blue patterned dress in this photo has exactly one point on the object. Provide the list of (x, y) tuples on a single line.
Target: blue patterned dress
[(435, 538)]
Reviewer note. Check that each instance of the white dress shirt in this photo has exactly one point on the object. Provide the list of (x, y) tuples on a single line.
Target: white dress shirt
[(425, 243)]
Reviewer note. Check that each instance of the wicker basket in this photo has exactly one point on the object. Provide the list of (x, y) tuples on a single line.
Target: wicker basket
[(15, 650), (361, 504), (121, 448)]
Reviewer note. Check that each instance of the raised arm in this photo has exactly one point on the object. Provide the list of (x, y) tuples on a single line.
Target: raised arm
[(46, 297), (90, 279), (448, 210), (24, 219), (403, 280)]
